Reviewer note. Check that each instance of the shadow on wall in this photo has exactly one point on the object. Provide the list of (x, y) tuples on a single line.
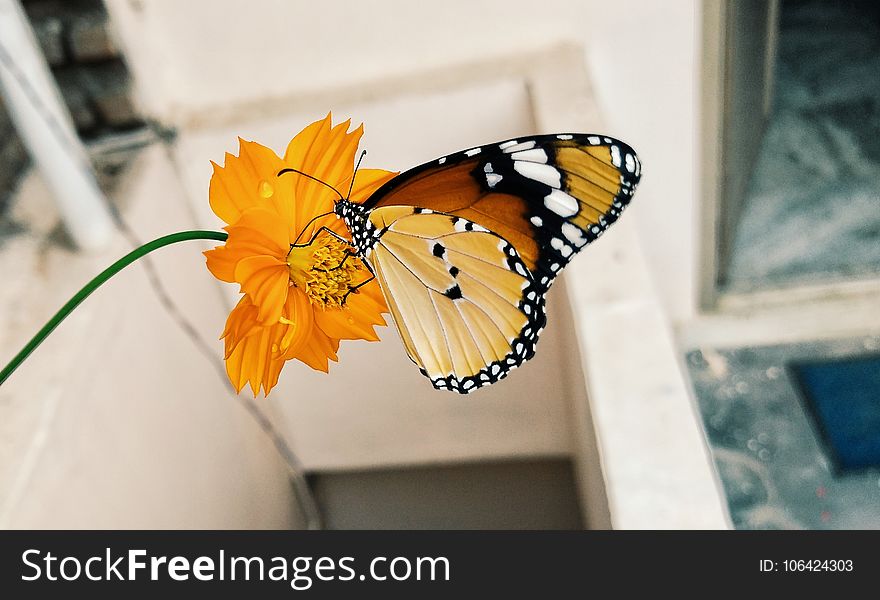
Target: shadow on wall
[(537, 494)]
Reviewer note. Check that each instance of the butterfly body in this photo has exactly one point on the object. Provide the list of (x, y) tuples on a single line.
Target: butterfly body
[(465, 247)]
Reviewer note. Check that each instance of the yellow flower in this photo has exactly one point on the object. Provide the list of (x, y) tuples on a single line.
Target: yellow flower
[(299, 282)]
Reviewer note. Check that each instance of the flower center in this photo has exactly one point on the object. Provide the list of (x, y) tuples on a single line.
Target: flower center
[(325, 270)]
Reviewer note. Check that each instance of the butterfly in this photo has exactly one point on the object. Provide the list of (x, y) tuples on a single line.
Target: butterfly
[(466, 247)]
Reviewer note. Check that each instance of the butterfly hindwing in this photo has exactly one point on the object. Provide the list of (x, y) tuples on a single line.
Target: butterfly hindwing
[(467, 309), (549, 196)]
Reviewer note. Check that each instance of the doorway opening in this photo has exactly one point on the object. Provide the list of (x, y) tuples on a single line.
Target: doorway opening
[(810, 212)]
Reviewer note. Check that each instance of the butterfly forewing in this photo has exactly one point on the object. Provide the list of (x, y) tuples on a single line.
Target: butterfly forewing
[(549, 196), (466, 307)]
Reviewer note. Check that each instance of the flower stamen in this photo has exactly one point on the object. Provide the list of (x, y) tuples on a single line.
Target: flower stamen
[(325, 269)]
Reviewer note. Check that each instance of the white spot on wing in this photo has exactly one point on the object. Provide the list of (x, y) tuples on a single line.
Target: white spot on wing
[(561, 203), (536, 221), (573, 234), (615, 156), (629, 162), (539, 172), (441, 161), (536, 155), (594, 140), (492, 179), (518, 147), (473, 152), (508, 144), (563, 136)]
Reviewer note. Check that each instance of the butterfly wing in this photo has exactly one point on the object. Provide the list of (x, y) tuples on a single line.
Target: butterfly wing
[(549, 196), (466, 307)]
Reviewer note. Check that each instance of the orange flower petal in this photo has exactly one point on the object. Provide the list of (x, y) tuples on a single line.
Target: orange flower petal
[(265, 279), (355, 321), (242, 322), (337, 161), (221, 262), (253, 362), (310, 197), (319, 350), (368, 181), (335, 324), (300, 316), (259, 231), (235, 187), (302, 143)]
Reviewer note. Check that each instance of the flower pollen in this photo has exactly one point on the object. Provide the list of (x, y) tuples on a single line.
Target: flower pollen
[(325, 270)]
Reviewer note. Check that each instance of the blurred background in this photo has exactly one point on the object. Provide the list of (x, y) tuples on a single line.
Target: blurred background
[(713, 363)]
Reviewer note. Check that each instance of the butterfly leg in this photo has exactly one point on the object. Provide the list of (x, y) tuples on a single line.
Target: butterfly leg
[(326, 214), (354, 289), (339, 266), (323, 229)]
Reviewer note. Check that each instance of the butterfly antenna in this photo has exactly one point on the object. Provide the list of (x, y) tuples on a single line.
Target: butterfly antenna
[(289, 170), (353, 175)]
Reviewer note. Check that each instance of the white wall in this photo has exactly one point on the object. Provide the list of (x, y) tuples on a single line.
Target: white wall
[(117, 420), (200, 57)]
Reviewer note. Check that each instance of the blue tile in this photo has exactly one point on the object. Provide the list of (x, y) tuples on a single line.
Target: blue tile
[(844, 398)]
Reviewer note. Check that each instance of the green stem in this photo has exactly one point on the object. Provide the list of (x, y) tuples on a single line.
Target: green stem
[(95, 283)]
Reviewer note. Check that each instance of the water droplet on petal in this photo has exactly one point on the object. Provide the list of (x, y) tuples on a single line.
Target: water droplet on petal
[(351, 320), (266, 190)]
